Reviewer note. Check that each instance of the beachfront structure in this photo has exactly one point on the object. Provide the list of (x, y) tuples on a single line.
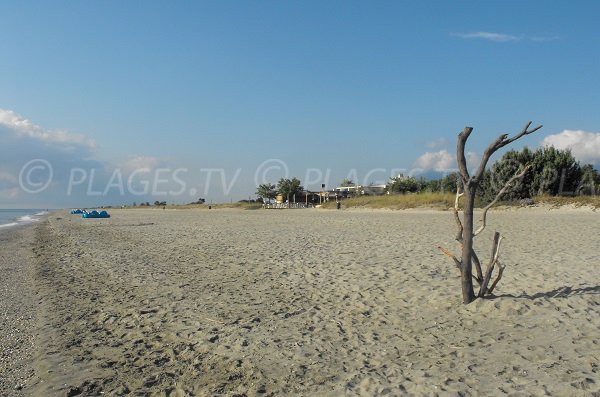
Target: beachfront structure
[(369, 190), (308, 199), (305, 199)]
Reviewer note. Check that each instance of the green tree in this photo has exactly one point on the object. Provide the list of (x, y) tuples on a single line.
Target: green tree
[(502, 170), (590, 181), (552, 172), (266, 191), (346, 182), (402, 184), (556, 172), (421, 184), (288, 187), (433, 185), (448, 183)]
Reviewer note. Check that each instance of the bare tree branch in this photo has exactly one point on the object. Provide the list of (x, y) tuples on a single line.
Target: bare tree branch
[(451, 255), (490, 267), (500, 193), (457, 262), (525, 131), (465, 233), (477, 263), (500, 142), (498, 277), (460, 153), (459, 226)]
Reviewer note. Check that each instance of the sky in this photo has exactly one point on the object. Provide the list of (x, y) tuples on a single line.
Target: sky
[(110, 102)]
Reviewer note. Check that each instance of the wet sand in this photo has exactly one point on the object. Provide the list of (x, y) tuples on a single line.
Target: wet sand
[(312, 302)]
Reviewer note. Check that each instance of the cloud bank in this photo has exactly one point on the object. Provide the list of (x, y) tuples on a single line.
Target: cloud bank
[(23, 128), (23, 142), (41, 168), (585, 146), (436, 161)]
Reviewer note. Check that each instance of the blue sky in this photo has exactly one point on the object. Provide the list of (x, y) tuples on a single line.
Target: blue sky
[(344, 88)]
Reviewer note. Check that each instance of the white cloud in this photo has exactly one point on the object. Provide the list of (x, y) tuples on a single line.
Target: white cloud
[(141, 162), (71, 169), (437, 161), (23, 142), (498, 37), (585, 146), (437, 143), (443, 161), (25, 128), (473, 160)]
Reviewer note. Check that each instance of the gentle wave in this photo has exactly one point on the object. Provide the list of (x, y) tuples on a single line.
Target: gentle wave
[(27, 218), (10, 218)]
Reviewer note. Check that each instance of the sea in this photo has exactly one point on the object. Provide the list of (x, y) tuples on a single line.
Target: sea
[(14, 217)]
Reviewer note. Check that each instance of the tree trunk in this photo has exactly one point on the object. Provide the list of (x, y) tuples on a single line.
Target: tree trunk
[(466, 270), (465, 233)]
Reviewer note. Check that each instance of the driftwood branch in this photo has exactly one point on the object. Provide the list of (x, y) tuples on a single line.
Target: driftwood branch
[(477, 264), (524, 131), (459, 226), (500, 193), (491, 264), (498, 277), (465, 232), (500, 142), (451, 255), (457, 263), (460, 153)]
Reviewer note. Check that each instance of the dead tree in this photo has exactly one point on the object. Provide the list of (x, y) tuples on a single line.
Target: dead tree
[(467, 188)]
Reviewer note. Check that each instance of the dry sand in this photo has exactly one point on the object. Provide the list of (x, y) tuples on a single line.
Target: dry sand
[(312, 303)]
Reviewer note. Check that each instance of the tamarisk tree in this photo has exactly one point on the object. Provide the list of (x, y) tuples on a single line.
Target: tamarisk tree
[(467, 187)]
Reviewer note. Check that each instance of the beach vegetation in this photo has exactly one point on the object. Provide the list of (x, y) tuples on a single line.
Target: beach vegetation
[(289, 187), (266, 192), (552, 172), (425, 199), (402, 184)]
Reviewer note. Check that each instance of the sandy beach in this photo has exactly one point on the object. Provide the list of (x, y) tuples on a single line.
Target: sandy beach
[(308, 303), (18, 309)]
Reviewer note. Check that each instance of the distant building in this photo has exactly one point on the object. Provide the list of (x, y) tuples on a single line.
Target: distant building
[(369, 190)]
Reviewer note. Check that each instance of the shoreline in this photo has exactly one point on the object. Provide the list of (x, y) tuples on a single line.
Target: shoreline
[(307, 303), (19, 309)]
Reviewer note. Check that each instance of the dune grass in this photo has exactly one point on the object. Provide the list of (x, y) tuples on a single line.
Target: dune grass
[(577, 201), (426, 200), (443, 201), (440, 201), (240, 205)]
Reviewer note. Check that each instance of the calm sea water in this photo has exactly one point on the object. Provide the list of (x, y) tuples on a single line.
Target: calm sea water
[(14, 217)]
